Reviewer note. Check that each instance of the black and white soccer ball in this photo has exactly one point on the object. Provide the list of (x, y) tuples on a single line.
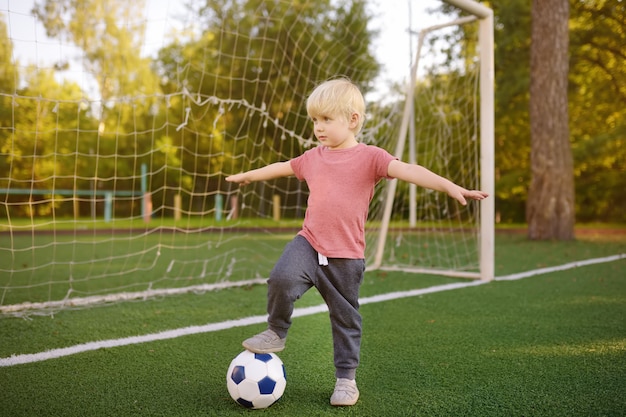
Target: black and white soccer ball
[(256, 380)]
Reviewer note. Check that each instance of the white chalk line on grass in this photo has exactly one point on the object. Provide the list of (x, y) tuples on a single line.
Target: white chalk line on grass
[(300, 312), (563, 267), (212, 327)]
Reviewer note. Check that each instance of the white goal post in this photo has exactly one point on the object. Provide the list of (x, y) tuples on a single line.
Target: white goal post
[(487, 121), (487, 143)]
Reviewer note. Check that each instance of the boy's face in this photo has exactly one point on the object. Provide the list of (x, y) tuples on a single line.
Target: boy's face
[(335, 132)]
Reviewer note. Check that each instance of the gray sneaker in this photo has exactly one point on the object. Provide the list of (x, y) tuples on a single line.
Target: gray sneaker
[(346, 392), (264, 342)]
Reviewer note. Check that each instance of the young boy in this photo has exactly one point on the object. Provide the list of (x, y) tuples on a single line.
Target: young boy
[(328, 252)]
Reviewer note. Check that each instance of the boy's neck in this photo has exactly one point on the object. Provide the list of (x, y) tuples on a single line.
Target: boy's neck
[(347, 144)]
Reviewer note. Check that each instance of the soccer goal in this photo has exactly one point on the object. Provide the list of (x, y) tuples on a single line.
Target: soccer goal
[(447, 122), (115, 142)]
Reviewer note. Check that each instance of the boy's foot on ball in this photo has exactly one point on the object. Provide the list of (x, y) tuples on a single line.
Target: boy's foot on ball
[(346, 392), (264, 342)]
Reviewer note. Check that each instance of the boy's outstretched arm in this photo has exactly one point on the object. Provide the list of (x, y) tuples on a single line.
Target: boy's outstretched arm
[(269, 172), (421, 176)]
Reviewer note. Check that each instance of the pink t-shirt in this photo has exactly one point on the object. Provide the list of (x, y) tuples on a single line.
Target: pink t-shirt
[(341, 185)]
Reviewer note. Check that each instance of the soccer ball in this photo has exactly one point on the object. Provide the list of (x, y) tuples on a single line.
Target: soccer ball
[(256, 380)]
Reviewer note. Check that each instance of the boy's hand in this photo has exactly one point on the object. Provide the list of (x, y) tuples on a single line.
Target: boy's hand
[(238, 179), (460, 194)]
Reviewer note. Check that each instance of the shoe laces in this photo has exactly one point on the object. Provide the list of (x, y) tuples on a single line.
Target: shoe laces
[(346, 385)]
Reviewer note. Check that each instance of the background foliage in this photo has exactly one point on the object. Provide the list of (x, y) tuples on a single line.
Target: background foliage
[(596, 107), (109, 140)]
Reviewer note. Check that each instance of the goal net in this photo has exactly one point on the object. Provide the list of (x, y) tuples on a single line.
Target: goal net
[(120, 121)]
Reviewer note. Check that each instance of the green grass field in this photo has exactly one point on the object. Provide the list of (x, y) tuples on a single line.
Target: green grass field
[(548, 345)]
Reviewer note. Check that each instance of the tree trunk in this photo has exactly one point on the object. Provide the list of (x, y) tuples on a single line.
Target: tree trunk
[(550, 206)]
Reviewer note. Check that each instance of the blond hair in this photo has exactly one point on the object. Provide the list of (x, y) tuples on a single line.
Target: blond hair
[(339, 97)]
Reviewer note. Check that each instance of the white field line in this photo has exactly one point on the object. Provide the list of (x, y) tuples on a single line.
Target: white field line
[(126, 296), (563, 267), (300, 312)]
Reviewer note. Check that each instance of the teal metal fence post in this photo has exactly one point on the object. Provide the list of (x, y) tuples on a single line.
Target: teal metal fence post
[(219, 207), (108, 206)]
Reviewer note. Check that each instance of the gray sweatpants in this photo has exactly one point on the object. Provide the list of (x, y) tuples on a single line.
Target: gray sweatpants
[(296, 271)]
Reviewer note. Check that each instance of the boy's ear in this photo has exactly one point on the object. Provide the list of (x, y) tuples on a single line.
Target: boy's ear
[(354, 120)]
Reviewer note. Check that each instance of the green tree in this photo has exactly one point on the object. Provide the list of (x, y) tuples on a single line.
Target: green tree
[(42, 150), (550, 207), (598, 108), (8, 72), (111, 35), (8, 85), (512, 127)]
